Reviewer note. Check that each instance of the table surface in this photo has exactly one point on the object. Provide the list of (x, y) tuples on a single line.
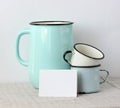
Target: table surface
[(23, 95)]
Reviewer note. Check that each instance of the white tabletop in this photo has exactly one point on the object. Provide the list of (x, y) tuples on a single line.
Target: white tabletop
[(23, 95)]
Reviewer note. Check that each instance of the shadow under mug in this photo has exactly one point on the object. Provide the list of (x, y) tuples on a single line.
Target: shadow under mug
[(84, 55), (89, 78)]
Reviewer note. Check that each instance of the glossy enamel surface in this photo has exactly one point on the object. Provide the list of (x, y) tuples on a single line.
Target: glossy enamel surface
[(89, 79), (47, 46)]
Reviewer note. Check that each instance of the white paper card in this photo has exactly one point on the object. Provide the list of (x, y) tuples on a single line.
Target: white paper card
[(58, 83)]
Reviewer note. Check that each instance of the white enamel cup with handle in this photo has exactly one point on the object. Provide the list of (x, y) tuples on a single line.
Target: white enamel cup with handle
[(84, 55)]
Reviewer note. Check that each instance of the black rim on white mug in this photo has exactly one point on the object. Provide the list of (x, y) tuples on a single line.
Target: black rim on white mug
[(64, 57), (96, 58)]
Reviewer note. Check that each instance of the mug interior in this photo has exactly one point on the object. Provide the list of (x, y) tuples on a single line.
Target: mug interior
[(89, 51), (51, 23)]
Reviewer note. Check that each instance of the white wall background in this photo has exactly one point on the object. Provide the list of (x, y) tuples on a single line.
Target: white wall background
[(97, 22)]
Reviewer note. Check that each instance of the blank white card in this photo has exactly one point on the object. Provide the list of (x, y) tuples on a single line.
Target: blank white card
[(58, 83)]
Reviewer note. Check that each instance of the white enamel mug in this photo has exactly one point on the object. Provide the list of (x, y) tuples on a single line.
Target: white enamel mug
[(84, 55)]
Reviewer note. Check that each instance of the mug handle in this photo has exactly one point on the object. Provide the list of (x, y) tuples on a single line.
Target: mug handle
[(64, 56), (22, 33), (107, 74)]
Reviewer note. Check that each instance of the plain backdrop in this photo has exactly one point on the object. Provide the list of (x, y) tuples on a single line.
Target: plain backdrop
[(96, 22)]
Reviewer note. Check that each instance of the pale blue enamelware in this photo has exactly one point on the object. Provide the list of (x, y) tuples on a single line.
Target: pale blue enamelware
[(47, 46), (89, 79)]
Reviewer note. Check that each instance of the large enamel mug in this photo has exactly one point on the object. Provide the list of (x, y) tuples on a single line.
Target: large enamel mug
[(48, 42)]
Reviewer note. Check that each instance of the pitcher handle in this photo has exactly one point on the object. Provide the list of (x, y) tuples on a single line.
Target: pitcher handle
[(64, 56), (22, 33), (107, 74)]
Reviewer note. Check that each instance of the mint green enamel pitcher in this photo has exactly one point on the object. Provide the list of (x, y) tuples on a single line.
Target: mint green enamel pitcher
[(48, 42)]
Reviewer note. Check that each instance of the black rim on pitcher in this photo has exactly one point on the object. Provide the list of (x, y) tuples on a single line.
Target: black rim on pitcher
[(51, 23)]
